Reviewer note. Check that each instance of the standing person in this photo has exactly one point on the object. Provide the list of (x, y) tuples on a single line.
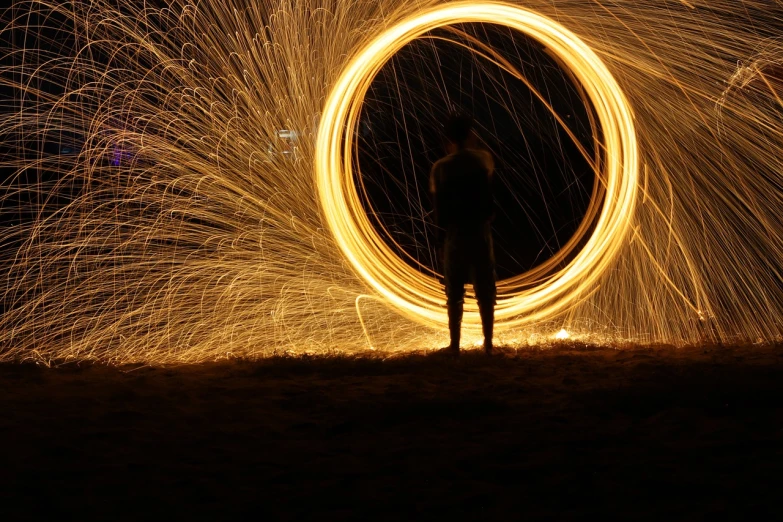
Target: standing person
[(461, 189)]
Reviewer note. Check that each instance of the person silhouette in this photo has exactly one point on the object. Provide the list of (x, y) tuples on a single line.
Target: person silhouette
[(461, 189)]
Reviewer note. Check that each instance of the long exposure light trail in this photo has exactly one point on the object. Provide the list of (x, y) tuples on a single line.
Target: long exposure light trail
[(418, 295), (182, 180)]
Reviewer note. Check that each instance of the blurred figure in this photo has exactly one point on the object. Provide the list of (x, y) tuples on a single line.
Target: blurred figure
[(461, 187)]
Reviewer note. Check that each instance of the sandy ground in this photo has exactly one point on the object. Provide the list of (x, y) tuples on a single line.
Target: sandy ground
[(568, 433)]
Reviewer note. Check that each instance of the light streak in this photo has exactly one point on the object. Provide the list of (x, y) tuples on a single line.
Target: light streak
[(204, 243), (421, 297)]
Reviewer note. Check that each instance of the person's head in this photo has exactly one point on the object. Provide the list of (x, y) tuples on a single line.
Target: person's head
[(459, 130)]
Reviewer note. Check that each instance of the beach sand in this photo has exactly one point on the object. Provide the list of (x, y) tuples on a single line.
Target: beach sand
[(570, 432)]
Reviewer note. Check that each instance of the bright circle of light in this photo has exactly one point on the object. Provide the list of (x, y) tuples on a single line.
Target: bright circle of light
[(419, 296)]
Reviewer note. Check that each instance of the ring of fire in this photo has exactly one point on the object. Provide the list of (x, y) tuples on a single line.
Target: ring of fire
[(521, 300)]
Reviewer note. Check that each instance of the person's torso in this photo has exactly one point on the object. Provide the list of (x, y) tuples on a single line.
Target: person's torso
[(462, 189)]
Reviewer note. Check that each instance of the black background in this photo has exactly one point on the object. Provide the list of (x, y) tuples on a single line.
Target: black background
[(542, 183)]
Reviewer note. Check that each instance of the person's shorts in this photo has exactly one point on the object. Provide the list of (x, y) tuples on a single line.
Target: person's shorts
[(468, 257)]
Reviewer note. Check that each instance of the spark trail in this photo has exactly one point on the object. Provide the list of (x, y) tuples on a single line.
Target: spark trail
[(180, 230)]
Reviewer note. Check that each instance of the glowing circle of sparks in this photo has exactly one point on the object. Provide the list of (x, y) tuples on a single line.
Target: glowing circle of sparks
[(420, 296)]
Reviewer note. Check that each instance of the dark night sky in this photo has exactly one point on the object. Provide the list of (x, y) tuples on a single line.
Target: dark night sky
[(542, 184)]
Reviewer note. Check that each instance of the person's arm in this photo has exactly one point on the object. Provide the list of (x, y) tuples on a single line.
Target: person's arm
[(489, 164), (435, 203), (491, 196)]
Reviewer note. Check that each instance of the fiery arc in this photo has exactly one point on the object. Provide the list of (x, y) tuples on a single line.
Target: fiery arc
[(177, 230), (420, 296)]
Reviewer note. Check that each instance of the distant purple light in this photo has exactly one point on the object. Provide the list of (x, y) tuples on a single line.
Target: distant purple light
[(119, 156)]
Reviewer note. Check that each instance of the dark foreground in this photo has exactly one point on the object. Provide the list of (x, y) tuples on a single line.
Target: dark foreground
[(563, 434)]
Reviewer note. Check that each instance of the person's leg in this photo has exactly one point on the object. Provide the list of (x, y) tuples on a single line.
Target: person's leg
[(454, 278), (485, 288), (487, 313), (454, 308)]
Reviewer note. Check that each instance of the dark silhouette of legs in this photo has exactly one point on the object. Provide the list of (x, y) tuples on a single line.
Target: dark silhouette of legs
[(454, 308), (456, 273), (468, 258), (487, 313), (485, 289)]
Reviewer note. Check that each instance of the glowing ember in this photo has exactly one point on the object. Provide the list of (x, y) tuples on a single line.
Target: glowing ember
[(562, 334), (206, 206), (418, 296)]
